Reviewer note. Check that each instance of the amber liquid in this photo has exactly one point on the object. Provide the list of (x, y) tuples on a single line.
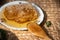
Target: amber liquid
[(15, 24)]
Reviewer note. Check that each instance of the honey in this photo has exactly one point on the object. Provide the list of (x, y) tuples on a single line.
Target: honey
[(15, 24)]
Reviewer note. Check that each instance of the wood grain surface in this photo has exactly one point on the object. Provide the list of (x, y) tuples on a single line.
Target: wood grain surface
[(51, 9)]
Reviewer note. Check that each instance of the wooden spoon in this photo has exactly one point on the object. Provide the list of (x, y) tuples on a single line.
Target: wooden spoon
[(37, 30)]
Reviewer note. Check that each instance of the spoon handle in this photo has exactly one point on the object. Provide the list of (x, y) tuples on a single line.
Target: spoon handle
[(37, 30)]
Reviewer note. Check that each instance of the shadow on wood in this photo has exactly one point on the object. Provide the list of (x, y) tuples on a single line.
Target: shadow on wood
[(7, 35)]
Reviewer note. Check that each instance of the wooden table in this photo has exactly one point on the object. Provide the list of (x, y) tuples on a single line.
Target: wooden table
[(51, 10)]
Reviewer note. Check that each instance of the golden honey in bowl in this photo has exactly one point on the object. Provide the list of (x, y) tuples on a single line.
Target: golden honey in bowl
[(19, 15)]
